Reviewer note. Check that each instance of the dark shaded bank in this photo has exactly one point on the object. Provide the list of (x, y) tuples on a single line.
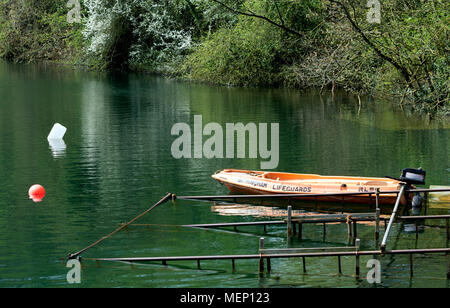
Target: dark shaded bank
[(396, 49)]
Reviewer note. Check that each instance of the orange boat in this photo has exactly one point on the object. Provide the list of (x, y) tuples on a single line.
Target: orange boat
[(260, 182)]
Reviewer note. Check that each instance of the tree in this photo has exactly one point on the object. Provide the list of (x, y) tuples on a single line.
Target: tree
[(135, 32), (411, 37)]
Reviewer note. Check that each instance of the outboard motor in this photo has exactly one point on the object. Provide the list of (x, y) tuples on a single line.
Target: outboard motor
[(413, 176)]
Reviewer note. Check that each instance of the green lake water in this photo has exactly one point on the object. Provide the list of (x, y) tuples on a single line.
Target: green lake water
[(117, 162)]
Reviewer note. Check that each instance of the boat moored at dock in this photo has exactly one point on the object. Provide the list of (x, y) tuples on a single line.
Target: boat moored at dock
[(310, 186)]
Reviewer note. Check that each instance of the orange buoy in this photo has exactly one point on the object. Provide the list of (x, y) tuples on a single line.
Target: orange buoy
[(36, 192)]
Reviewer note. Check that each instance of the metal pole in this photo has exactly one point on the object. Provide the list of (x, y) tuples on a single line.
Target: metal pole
[(447, 227), (164, 199), (391, 220), (416, 224), (411, 266), (289, 222), (339, 265), (349, 228), (447, 256), (377, 217), (357, 245), (261, 259)]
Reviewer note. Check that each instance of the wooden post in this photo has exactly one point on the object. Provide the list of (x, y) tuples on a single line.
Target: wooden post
[(357, 245), (261, 259), (289, 222), (233, 266), (269, 268), (198, 264)]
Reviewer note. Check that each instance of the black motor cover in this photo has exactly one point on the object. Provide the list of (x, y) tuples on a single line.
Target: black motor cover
[(413, 176)]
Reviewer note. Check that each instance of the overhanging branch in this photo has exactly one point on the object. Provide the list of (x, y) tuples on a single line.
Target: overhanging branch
[(389, 59), (265, 18)]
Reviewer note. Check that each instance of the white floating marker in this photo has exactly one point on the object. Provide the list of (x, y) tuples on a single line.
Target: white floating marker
[(55, 140), (57, 132)]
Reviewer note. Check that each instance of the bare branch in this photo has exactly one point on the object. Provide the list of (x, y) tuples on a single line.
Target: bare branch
[(278, 11), (252, 14), (401, 69)]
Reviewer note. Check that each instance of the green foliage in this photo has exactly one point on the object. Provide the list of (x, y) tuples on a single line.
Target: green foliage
[(322, 44), (136, 33), (242, 55), (253, 52), (37, 30), (412, 41)]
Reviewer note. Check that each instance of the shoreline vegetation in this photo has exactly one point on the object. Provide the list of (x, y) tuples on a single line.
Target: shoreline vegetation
[(393, 48)]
